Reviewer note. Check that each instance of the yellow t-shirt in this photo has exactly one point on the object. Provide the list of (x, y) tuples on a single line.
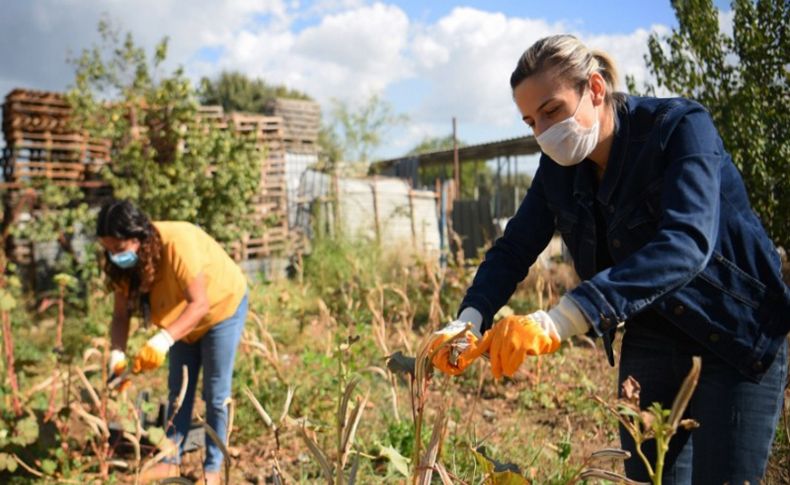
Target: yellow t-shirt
[(186, 252)]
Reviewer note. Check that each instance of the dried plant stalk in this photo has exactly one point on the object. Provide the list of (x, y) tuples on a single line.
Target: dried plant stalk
[(350, 431), (432, 453), (287, 405), (230, 404), (220, 443), (607, 475), (136, 445), (98, 425), (89, 387), (167, 449), (318, 454), (258, 407), (683, 397), (183, 391)]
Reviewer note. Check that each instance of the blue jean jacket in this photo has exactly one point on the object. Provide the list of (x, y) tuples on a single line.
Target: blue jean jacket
[(681, 233)]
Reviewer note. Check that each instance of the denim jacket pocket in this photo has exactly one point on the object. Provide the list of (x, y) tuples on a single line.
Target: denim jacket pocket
[(728, 278)]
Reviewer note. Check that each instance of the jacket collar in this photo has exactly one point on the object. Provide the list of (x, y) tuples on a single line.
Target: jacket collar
[(584, 184)]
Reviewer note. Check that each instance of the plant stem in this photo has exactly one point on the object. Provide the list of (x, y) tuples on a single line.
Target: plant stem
[(340, 417), (8, 342), (51, 410), (61, 318), (662, 445), (644, 459)]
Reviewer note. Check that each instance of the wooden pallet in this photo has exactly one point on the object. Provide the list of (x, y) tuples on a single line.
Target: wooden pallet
[(41, 145), (301, 123)]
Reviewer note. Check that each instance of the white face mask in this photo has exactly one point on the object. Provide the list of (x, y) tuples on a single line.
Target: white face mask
[(567, 142)]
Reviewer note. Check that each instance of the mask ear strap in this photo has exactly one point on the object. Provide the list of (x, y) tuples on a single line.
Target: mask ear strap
[(581, 98)]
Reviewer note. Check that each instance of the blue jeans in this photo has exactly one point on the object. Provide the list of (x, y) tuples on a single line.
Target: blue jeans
[(737, 416), (215, 352)]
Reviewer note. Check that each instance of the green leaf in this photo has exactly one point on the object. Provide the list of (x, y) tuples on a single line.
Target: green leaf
[(7, 301), (25, 431), (155, 435), (65, 280), (129, 425), (499, 473), (401, 364), (148, 407), (48, 466), (7, 462), (397, 461)]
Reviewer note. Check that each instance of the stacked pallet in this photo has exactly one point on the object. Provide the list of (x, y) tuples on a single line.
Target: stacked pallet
[(41, 143), (213, 115), (270, 215), (301, 123)]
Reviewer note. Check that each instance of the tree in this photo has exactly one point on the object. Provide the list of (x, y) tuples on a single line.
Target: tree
[(356, 132), (235, 91), (163, 158), (744, 82)]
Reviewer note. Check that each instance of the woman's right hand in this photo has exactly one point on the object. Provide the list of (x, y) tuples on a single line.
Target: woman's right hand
[(447, 358), (117, 364)]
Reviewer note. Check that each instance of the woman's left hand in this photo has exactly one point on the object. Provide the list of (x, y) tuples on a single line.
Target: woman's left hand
[(153, 354)]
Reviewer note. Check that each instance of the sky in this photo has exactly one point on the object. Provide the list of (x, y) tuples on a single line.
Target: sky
[(429, 60)]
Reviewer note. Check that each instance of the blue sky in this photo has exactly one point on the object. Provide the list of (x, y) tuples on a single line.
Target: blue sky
[(593, 17), (601, 17), (429, 60)]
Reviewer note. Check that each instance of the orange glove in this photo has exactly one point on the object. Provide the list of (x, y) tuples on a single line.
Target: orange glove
[(153, 354), (513, 338), (447, 359)]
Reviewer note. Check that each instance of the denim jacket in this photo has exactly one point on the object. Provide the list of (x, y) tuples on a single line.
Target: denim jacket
[(681, 233)]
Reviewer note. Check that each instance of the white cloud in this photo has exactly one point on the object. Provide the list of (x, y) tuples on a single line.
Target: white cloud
[(347, 55), (348, 50), (467, 57), (628, 52), (37, 36)]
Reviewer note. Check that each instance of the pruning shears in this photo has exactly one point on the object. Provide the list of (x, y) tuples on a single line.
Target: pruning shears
[(457, 348), (120, 380), (116, 381)]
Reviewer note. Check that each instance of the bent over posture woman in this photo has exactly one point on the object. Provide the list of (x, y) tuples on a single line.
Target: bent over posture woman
[(182, 280), (659, 226)]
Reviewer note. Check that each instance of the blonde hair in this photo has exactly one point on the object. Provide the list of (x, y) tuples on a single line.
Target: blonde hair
[(572, 61)]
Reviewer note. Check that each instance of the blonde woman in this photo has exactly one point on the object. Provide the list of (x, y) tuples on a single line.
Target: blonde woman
[(180, 278), (658, 223)]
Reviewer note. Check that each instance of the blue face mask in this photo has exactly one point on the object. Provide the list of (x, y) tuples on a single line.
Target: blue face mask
[(124, 259)]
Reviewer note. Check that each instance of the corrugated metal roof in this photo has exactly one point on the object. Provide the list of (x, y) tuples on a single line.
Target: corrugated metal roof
[(522, 145)]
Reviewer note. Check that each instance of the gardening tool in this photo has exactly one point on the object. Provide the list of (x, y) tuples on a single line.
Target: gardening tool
[(457, 348), (119, 381), (194, 439)]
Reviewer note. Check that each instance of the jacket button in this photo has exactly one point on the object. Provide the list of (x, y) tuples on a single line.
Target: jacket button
[(714, 337), (611, 209), (616, 243), (757, 366), (679, 310)]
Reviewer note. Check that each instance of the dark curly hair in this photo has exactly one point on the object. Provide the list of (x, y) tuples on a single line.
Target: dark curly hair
[(122, 220)]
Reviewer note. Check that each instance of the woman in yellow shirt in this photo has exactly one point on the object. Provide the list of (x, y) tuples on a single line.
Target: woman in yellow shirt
[(180, 278)]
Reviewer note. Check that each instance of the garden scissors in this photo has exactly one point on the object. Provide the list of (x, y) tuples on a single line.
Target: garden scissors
[(119, 381)]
